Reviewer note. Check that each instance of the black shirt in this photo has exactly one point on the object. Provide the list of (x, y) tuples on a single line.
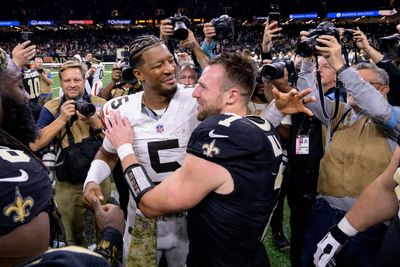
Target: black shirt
[(225, 230)]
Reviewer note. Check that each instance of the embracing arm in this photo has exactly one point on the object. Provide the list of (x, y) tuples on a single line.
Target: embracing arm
[(184, 188)]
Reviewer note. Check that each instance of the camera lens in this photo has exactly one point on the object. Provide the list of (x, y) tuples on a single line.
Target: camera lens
[(85, 108), (180, 31), (273, 71), (306, 48)]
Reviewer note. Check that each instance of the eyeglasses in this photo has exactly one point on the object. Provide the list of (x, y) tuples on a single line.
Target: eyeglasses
[(375, 83)]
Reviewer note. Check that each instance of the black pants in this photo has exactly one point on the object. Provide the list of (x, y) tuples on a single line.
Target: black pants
[(277, 216), (301, 192)]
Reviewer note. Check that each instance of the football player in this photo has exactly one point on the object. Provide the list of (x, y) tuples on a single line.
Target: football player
[(163, 116), (31, 81), (94, 76), (25, 189), (228, 178)]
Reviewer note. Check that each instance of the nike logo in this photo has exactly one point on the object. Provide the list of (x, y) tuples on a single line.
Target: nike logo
[(22, 178), (213, 135)]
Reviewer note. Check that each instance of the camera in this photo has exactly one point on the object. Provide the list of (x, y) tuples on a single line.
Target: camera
[(390, 46), (49, 159), (180, 29), (276, 70), (306, 48), (224, 28), (85, 108), (40, 70), (25, 36), (127, 75)]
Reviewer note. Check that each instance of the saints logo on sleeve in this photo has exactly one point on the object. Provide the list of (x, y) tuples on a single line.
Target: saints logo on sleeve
[(25, 189)]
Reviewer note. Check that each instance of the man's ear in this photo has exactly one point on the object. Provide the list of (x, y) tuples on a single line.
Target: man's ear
[(385, 90), (138, 74), (233, 95)]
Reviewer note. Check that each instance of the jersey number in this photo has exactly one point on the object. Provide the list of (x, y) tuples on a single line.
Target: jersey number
[(34, 87), (13, 156), (101, 74), (154, 147), (118, 102)]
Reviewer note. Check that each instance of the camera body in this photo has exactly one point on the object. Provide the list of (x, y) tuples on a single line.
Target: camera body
[(276, 70), (224, 28), (306, 48), (49, 159), (390, 46), (40, 70), (127, 75), (180, 29), (85, 108)]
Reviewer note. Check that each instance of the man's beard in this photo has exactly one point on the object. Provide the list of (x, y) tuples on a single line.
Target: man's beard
[(208, 112), (18, 120)]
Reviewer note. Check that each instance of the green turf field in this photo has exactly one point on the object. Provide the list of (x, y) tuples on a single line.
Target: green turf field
[(277, 258)]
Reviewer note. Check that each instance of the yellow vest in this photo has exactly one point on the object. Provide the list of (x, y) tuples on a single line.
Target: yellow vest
[(357, 155), (44, 86)]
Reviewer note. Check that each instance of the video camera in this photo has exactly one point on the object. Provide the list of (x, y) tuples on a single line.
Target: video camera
[(390, 46), (224, 28), (180, 29), (276, 70), (306, 48)]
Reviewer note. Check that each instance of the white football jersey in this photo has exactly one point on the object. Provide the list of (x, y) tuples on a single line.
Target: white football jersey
[(97, 84), (160, 145)]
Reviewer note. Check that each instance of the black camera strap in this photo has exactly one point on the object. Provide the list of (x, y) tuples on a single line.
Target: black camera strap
[(322, 95)]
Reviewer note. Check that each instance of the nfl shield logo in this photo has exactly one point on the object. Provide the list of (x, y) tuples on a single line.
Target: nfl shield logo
[(160, 128)]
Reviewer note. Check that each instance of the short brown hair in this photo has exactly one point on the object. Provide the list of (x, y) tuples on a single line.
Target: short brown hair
[(71, 64), (240, 72)]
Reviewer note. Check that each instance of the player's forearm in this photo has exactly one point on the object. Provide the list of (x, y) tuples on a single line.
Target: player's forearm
[(375, 205)]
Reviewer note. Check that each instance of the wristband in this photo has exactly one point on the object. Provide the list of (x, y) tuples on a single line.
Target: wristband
[(341, 70), (138, 181), (345, 226), (343, 231), (124, 150), (99, 170)]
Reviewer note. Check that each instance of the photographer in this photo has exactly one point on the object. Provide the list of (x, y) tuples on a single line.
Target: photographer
[(359, 145), (381, 62), (167, 32), (73, 124), (46, 81), (116, 72)]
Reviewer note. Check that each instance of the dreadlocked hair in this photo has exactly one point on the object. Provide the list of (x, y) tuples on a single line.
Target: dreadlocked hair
[(140, 45), (9, 141)]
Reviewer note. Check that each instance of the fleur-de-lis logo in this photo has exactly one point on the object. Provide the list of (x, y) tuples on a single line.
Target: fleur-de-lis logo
[(210, 149), (20, 207)]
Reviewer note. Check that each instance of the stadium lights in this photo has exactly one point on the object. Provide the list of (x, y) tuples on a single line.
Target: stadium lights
[(357, 19), (383, 17)]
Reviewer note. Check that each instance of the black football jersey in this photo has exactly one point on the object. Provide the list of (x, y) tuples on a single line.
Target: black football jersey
[(31, 83), (25, 189), (225, 230)]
